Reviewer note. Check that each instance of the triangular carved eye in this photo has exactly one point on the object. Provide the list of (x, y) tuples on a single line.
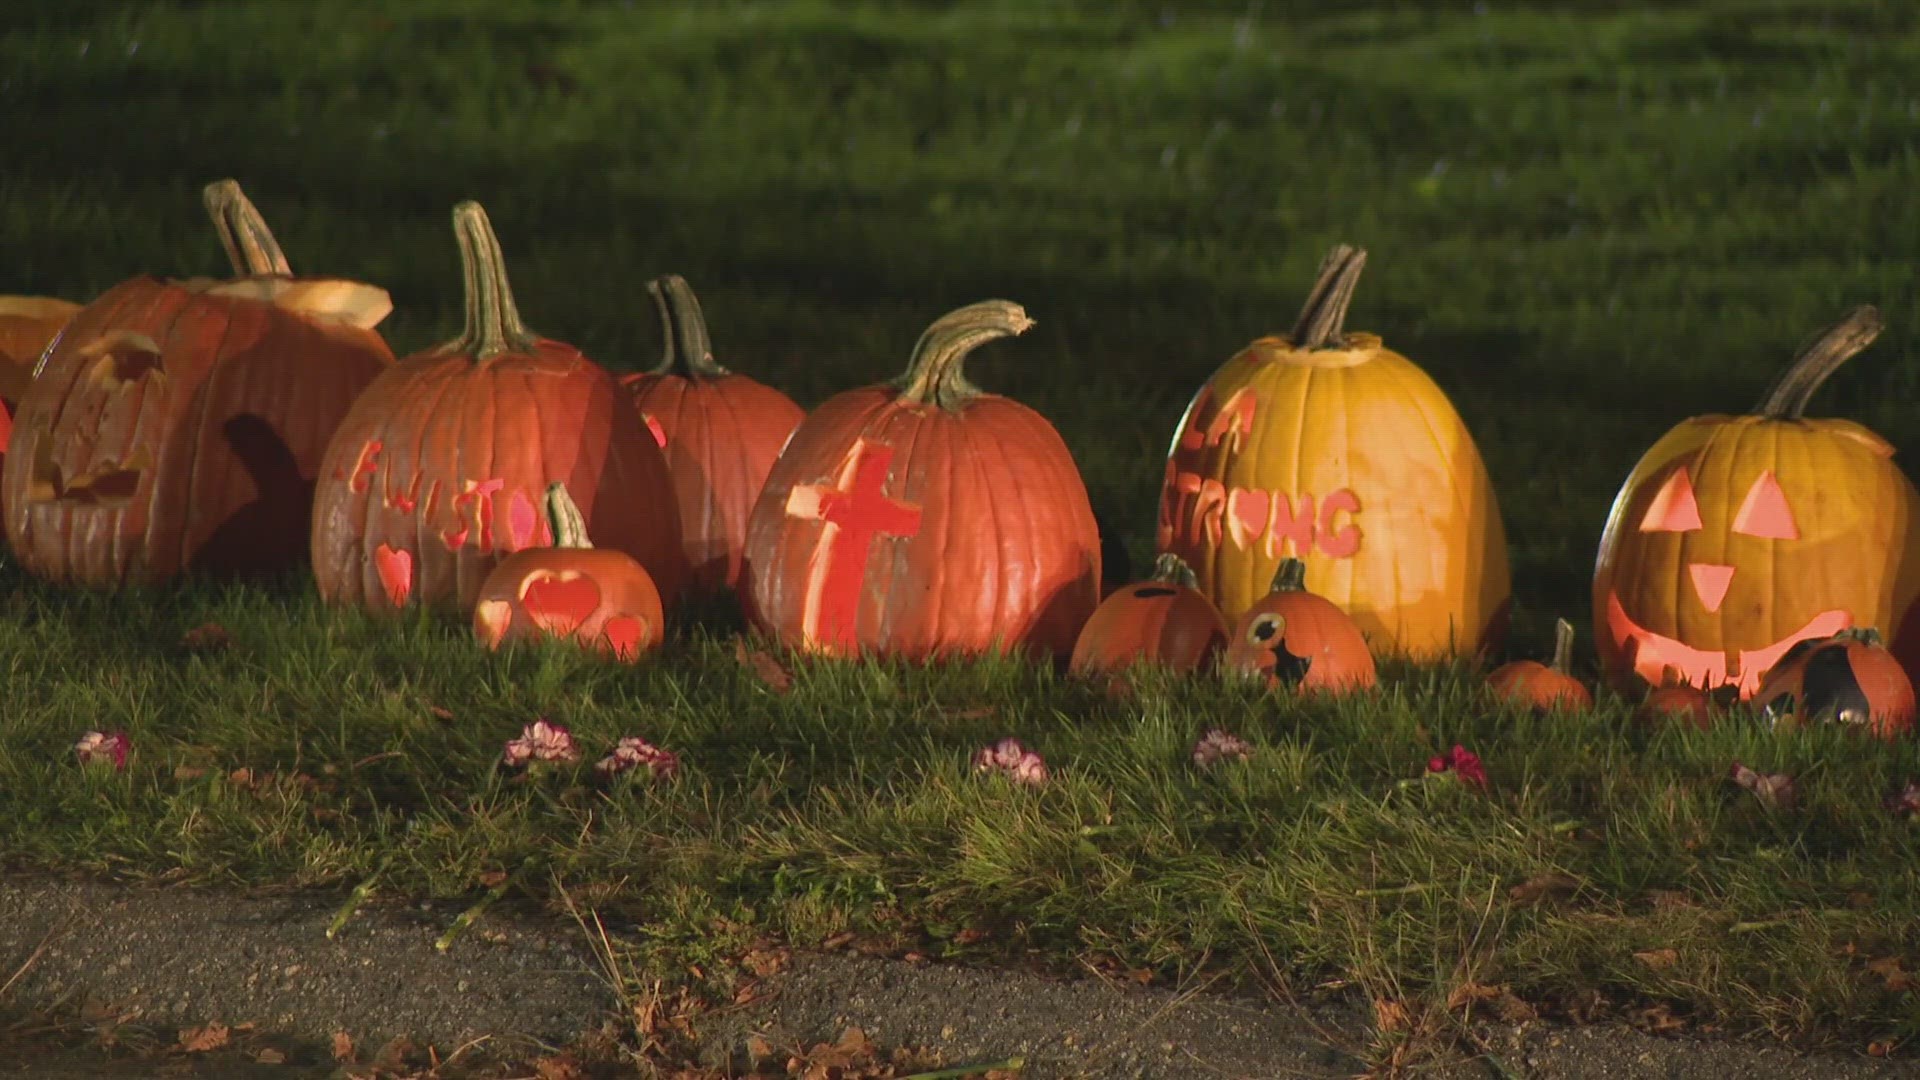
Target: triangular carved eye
[(1765, 512), (1673, 508)]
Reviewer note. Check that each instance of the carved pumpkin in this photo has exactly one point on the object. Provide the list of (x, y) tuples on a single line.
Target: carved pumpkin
[(927, 517), (1543, 686), (434, 475), (1848, 678), (602, 599), (179, 425), (28, 324), (721, 432), (1329, 447), (1297, 639), (1164, 620), (1737, 536)]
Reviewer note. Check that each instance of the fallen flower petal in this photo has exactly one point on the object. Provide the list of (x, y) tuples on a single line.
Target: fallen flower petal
[(1461, 762), (1218, 745), (1906, 801), (1010, 757), (1772, 789), (104, 748), (631, 752), (1029, 770), (541, 740)]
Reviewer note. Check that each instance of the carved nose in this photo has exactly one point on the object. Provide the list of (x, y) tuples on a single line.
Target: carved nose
[(1710, 581)]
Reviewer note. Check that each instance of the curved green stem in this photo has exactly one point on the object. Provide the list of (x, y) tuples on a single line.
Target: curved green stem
[(1171, 569), (1787, 398), (493, 322), (251, 248), (1323, 318), (935, 375), (569, 525), (689, 351), (1290, 576)]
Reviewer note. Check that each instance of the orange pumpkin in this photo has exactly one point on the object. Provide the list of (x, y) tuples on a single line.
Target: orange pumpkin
[(1164, 620), (1543, 686), (1737, 536), (927, 517), (1676, 701), (1328, 447), (432, 478), (600, 598), (1297, 639), (721, 432), (28, 324), (179, 425), (1848, 678)]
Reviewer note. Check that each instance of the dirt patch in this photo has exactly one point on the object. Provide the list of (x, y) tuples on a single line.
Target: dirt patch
[(170, 959)]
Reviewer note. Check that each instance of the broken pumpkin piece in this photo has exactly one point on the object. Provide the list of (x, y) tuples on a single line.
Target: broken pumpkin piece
[(335, 300)]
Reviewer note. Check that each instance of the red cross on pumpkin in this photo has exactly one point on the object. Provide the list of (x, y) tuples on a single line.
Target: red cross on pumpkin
[(855, 512)]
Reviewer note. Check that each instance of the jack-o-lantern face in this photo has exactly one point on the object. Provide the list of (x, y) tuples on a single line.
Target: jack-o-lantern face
[(1736, 537), (599, 597), (1297, 639)]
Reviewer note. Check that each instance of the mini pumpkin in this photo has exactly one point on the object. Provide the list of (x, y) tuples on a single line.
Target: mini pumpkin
[(721, 432), (927, 517), (1677, 701), (435, 474), (1297, 639), (179, 425), (1164, 620), (1848, 678), (1737, 536), (1328, 447), (1543, 686), (600, 598)]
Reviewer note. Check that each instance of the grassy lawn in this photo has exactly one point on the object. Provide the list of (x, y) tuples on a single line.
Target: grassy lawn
[(1585, 223)]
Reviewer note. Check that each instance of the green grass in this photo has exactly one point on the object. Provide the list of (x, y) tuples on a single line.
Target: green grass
[(1585, 223)]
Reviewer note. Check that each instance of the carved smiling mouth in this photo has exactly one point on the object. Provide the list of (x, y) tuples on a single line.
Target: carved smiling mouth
[(1652, 654)]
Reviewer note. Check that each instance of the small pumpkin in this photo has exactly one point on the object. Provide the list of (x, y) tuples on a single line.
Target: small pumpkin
[(1326, 446), (926, 517), (1543, 686), (1298, 639), (1164, 620), (1735, 537), (1848, 678), (179, 425), (433, 477), (600, 598), (1677, 701), (721, 432)]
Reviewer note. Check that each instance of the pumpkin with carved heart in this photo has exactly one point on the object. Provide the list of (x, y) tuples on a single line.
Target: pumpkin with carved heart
[(600, 598), (926, 518), (721, 432), (434, 476), (1329, 447), (179, 425), (1736, 537)]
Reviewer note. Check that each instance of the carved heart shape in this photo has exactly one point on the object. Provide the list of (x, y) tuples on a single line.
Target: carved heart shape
[(559, 603), (490, 617), (623, 634), (396, 573)]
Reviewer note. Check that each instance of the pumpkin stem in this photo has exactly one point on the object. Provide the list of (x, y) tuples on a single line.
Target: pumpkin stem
[(689, 351), (1291, 576), (934, 375), (1322, 322), (1173, 570), (1787, 399), (1562, 647), (569, 525), (493, 323), (1865, 635), (251, 248)]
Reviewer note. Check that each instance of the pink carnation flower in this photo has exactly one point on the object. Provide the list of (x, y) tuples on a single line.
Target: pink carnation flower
[(1010, 757), (541, 741), (1463, 763), (104, 748), (632, 752), (1218, 745)]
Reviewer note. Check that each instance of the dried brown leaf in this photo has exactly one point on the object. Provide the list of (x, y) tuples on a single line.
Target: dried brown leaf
[(558, 1067), (206, 638), (490, 878), (1659, 1019), (270, 1056), (762, 664), (199, 1040), (1391, 1015), (1658, 959), (1551, 886), (765, 962), (189, 772), (1897, 977)]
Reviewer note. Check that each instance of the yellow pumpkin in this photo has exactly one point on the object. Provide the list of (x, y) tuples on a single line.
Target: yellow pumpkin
[(1737, 536), (1327, 446)]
